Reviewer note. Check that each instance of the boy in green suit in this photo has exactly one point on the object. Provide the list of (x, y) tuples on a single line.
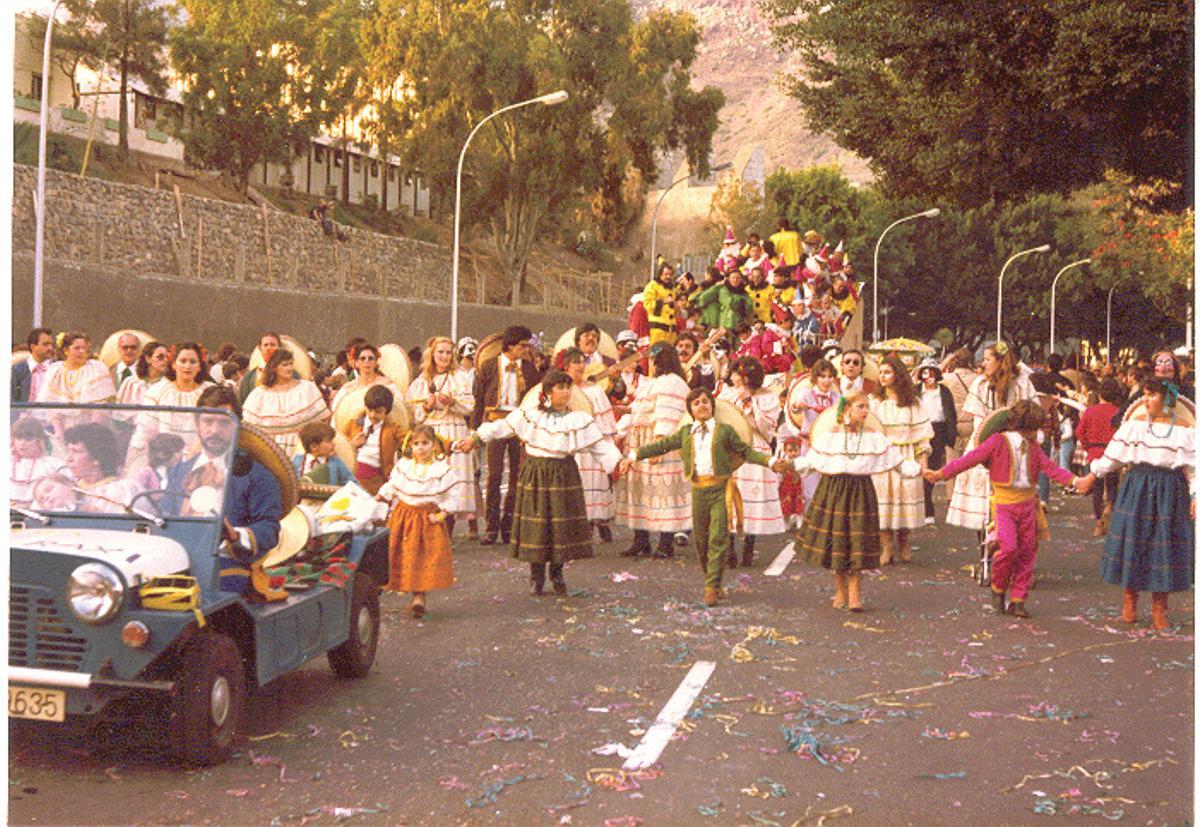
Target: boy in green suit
[(708, 449)]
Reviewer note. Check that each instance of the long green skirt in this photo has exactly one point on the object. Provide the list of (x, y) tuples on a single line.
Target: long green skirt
[(550, 523), (841, 524)]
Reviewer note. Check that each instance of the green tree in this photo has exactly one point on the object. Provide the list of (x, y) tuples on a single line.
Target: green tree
[(976, 101), (736, 203), (456, 62), (249, 93), (337, 69)]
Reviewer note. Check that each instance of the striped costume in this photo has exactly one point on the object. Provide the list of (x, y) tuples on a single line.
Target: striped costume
[(758, 485), (597, 487)]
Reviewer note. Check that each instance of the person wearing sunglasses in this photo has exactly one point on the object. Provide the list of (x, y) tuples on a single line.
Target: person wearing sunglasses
[(852, 380), (366, 374)]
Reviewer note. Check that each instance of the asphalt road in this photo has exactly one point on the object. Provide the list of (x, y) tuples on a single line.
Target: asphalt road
[(925, 709)]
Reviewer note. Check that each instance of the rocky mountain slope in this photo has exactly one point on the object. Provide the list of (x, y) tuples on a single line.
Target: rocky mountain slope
[(736, 55)]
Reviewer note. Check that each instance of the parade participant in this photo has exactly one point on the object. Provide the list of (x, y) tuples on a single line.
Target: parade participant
[(958, 375), (710, 312), (224, 353), (938, 404), (1151, 541), (787, 244), (30, 463), (282, 403), (730, 257), (1001, 385), (806, 328), (897, 405), (761, 295), (726, 303), (654, 495), (319, 464), (1165, 367), (421, 489), (550, 523), (597, 487), (93, 461), (757, 258), (852, 379), (29, 374), (658, 297), (151, 368), (376, 440), (78, 378), (268, 343), (500, 386), (464, 358), (366, 374), (843, 295), (234, 370), (708, 450), (758, 485), (1094, 433), (784, 289), (791, 484), (587, 339), (840, 531), (443, 401), (186, 380), (348, 358), (629, 378), (821, 395), (1013, 459), (128, 349), (686, 293), (163, 453), (699, 362)]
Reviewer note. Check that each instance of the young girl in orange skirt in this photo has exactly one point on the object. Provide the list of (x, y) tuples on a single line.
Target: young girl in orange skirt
[(420, 487)]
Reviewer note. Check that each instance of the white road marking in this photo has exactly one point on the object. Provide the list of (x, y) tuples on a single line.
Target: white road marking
[(656, 738), (780, 563)]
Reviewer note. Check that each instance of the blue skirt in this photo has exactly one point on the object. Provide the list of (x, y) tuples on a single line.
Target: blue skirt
[(1150, 540)]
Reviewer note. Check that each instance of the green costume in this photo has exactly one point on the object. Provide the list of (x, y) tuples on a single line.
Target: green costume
[(723, 307), (710, 515)]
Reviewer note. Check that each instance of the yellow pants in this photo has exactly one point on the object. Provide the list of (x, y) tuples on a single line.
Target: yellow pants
[(657, 335)]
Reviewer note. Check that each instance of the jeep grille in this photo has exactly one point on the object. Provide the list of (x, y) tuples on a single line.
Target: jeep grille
[(37, 635)]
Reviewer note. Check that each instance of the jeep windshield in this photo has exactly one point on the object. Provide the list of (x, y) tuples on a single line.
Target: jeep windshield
[(143, 461)]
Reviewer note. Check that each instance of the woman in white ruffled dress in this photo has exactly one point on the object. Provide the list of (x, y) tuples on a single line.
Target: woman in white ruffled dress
[(901, 499), (283, 404), (366, 374), (757, 485), (151, 368), (76, 379), (1001, 385), (186, 379), (442, 399)]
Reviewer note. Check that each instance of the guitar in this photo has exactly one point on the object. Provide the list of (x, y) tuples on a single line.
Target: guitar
[(713, 337), (597, 371)]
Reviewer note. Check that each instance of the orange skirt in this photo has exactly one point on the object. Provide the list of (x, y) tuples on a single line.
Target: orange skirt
[(420, 551)]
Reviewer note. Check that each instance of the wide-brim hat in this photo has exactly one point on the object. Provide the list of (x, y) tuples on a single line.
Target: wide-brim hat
[(303, 363), (293, 536), (110, 352), (579, 400), (354, 404), (795, 412), (267, 452), (1184, 410), (489, 349), (829, 418), (928, 364), (728, 414), (813, 237), (395, 365), (608, 347)]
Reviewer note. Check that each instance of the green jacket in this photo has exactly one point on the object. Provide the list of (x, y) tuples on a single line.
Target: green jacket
[(722, 307), (726, 445)]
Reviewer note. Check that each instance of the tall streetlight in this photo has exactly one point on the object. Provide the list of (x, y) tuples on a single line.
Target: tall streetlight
[(930, 213), (1053, 286), (1045, 248), (1108, 325), (550, 99), (654, 219), (40, 217)]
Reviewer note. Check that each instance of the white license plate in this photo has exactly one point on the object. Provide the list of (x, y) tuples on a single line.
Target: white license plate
[(37, 703)]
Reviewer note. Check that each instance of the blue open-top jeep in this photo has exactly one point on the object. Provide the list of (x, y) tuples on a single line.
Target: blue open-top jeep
[(116, 590)]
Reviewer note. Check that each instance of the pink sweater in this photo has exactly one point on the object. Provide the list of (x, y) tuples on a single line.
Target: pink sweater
[(998, 457)]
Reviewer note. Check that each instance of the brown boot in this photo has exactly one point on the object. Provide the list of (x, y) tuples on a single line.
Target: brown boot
[(905, 548), (711, 596), (1106, 516), (885, 548), (1129, 606), (1099, 530), (839, 590), (1158, 610), (853, 598)]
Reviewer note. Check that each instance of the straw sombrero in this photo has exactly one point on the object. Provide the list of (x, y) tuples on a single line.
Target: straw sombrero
[(488, 349), (110, 354), (870, 366), (795, 413), (1185, 412), (300, 358), (607, 346), (265, 450), (829, 418), (730, 415), (395, 365), (293, 536), (579, 400), (353, 405)]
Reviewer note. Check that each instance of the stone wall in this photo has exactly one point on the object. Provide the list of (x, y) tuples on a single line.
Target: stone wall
[(181, 267)]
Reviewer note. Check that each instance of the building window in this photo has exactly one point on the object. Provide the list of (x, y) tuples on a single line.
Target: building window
[(391, 173), (408, 180), (357, 164), (151, 108), (35, 87), (337, 157), (374, 169), (318, 153)]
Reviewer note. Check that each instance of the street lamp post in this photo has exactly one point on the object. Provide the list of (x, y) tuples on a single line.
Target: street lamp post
[(1108, 326), (1045, 248), (1054, 286), (40, 217), (551, 99), (654, 219), (930, 213)]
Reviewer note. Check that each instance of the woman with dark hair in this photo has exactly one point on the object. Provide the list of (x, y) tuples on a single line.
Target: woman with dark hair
[(151, 367), (186, 378), (655, 495), (901, 499), (94, 461), (597, 486), (1151, 541), (758, 485), (366, 374), (283, 403), (938, 404), (550, 524), (78, 378), (1094, 433)]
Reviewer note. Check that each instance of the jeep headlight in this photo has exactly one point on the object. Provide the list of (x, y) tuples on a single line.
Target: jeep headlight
[(94, 592)]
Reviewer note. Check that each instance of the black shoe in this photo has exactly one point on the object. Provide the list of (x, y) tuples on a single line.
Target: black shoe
[(665, 549), (998, 602), (504, 539), (605, 532), (636, 550), (1017, 609), (731, 560), (537, 575), (748, 552), (487, 540)]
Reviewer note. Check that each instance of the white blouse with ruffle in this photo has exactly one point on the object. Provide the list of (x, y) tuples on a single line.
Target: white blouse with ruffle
[(420, 483), (1139, 441), (554, 435), (849, 452)]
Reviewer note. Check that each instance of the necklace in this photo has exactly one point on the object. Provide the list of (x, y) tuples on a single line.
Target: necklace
[(857, 443), (1170, 427)]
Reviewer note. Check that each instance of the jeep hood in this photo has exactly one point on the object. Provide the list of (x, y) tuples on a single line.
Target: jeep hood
[(138, 557)]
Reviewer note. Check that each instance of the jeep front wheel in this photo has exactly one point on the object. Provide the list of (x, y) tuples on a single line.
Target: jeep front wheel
[(353, 658), (206, 708)]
